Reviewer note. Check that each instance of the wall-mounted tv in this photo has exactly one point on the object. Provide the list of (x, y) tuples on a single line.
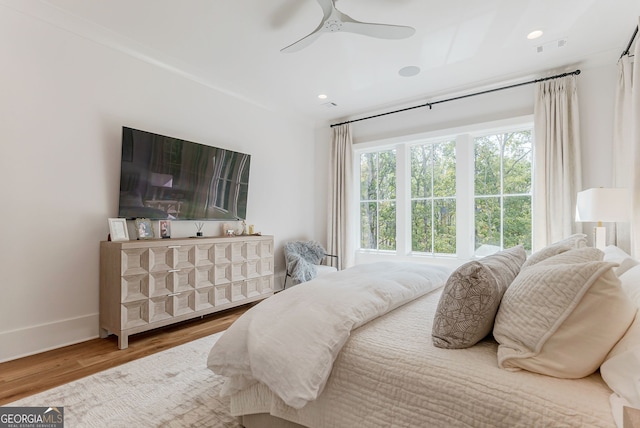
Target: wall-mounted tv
[(168, 178)]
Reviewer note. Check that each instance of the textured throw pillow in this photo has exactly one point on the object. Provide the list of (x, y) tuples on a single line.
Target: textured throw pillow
[(578, 240), (471, 297), (562, 316)]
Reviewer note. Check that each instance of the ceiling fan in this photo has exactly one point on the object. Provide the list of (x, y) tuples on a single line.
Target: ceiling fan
[(335, 21)]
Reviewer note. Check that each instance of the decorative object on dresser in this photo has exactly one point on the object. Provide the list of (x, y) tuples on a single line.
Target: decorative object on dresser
[(199, 226), (153, 283), (144, 228), (118, 229), (164, 226)]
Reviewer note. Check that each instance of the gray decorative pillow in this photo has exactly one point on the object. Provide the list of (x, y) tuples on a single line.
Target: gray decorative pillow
[(471, 297)]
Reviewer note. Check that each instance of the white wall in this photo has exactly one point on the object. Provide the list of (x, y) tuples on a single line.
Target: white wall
[(64, 99)]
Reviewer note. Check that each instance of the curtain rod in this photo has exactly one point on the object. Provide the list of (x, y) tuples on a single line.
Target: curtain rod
[(626, 51), (557, 76)]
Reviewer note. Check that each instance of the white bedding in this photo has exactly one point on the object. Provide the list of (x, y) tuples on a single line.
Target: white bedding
[(289, 341), (389, 374)]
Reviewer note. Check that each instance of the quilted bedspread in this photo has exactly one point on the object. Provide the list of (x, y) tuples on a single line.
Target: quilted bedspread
[(389, 374), (289, 341)]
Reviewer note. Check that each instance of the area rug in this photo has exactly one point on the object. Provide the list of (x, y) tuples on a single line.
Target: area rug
[(172, 388)]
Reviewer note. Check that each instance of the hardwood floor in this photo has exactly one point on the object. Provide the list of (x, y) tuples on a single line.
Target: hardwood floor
[(30, 375)]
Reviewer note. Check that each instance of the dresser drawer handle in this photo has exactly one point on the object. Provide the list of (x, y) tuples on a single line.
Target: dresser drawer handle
[(174, 246), (174, 270), (173, 294)]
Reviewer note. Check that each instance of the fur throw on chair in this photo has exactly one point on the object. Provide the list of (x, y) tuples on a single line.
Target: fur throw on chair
[(301, 259)]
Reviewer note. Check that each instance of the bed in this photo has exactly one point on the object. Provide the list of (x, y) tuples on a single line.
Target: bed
[(380, 367)]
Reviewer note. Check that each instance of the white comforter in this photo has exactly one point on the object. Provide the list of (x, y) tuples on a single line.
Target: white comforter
[(389, 375), (290, 341)]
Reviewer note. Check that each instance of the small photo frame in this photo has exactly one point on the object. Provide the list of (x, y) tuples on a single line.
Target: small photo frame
[(228, 229), (164, 226), (144, 229), (118, 229)]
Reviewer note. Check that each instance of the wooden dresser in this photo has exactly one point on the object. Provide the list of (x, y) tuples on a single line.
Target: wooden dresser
[(153, 283)]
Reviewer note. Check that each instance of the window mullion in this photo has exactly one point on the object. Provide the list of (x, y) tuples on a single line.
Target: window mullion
[(433, 201), (403, 200), (464, 196), (501, 196)]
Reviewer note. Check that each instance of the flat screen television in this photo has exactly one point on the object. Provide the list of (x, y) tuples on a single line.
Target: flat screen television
[(168, 178)]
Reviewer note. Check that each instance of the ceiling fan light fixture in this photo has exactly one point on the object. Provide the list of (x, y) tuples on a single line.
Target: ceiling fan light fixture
[(534, 34)]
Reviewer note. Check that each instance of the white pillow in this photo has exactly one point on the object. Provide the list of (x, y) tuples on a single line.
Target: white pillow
[(621, 369), (562, 316), (630, 281), (618, 255), (614, 254), (625, 265), (617, 408)]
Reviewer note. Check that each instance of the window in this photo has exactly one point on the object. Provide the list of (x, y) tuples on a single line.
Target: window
[(469, 193), (503, 166), (378, 200), (433, 197)]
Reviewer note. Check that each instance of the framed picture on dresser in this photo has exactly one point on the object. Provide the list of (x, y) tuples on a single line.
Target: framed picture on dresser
[(164, 226), (144, 228), (118, 229)]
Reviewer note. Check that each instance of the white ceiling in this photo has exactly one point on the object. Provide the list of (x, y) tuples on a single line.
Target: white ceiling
[(460, 45)]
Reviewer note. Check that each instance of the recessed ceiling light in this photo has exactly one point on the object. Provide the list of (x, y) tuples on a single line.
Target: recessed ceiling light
[(534, 34), (322, 96), (408, 71)]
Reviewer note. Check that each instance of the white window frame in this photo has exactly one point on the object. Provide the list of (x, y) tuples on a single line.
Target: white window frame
[(464, 137)]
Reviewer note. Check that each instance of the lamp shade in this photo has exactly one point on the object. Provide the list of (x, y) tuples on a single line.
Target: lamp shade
[(603, 205)]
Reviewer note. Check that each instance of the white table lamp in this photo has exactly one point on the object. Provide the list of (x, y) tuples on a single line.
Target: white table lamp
[(603, 205)]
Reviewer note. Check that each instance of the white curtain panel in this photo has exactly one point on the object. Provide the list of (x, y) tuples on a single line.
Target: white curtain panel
[(626, 148), (622, 142), (341, 236), (635, 144), (558, 171)]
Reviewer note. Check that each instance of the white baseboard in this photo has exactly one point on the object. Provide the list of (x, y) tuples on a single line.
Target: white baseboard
[(45, 337)]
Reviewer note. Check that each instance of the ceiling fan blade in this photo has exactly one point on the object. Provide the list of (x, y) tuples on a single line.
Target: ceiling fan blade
[(303, 42), (381, 31), (327, 7)]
